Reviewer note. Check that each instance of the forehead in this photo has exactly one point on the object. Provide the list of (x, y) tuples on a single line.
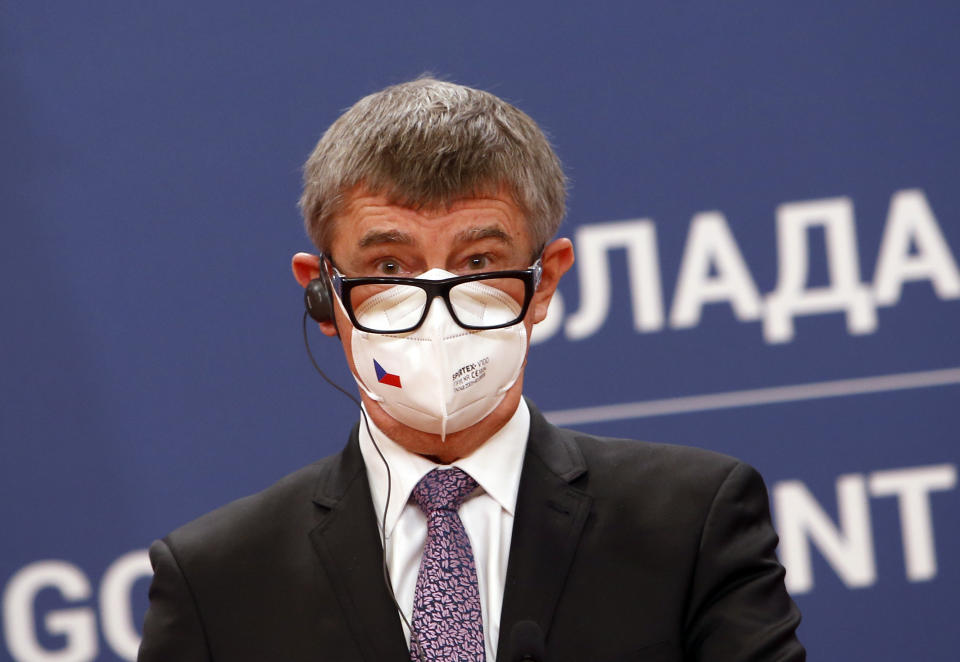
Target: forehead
[(368, 220)]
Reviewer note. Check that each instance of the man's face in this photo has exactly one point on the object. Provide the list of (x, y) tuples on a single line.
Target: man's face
[(372, 237)]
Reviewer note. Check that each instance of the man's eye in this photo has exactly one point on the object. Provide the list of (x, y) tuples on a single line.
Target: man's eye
[(478, 262), (388, 268)]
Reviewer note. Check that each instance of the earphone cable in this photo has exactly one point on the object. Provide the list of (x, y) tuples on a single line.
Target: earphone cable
[(414, 640)]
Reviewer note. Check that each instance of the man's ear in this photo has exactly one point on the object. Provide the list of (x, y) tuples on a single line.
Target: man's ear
[(306, 267), (557, 259)]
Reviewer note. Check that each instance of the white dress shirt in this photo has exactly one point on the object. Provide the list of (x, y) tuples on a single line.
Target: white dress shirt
[(487, 514)]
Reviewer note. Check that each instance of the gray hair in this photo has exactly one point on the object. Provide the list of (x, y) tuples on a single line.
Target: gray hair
[(427, 143)]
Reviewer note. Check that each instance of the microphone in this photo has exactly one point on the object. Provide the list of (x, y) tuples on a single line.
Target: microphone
[(526, 642)]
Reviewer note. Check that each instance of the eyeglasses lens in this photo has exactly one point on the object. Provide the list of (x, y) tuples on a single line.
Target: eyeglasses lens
[(490, 302), (388, 307)]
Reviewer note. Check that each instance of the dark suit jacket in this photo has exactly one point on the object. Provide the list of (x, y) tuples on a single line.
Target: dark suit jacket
[(621, 550)]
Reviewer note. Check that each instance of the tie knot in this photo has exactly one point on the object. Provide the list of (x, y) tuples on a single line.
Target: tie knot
[(443, 489)]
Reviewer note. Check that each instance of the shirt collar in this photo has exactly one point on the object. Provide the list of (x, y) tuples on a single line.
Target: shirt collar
[(495, 465)]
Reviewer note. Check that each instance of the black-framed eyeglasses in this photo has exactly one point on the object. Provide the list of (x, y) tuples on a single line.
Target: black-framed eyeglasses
[(477, 302)]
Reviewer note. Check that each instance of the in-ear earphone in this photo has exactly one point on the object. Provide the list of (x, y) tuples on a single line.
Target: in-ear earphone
[(318, 300), (318, 295)]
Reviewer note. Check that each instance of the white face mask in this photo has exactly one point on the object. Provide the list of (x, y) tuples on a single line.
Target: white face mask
[(439, 378)]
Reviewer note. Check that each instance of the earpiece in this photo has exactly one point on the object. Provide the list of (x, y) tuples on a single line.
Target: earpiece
[(318, 300), (318, 294)]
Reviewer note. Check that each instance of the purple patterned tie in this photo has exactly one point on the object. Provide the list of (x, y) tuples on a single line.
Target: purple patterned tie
[(446, 603)]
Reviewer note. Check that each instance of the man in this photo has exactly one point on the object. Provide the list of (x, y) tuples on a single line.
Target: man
[(457, 524)]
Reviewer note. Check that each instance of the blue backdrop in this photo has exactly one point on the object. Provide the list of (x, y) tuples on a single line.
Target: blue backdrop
[(765, 212)]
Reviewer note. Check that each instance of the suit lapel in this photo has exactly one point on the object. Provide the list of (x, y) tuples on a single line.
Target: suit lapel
[(550, 516), (348, 543)]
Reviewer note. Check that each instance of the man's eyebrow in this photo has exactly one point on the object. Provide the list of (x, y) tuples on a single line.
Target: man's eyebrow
[(375, 237), (488, 232)]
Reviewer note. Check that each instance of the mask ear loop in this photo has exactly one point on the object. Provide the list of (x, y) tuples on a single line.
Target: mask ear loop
[(414, 639)]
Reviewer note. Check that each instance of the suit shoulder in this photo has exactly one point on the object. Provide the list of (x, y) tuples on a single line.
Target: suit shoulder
[(665, 467), (615, 451), (253, 518)]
